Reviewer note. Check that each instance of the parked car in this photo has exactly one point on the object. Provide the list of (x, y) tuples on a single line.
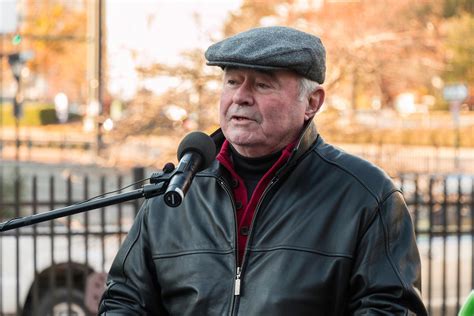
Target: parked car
[(59, 267), (59, 273)]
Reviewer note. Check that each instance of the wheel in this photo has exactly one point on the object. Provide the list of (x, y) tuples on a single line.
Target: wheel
[(57, 302)]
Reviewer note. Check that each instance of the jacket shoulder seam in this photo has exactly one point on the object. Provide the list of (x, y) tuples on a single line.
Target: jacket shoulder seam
[(387, 245), (344, 169)]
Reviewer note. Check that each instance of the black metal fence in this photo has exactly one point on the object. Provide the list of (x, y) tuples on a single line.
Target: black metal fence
[(443, 213), (58, 267)]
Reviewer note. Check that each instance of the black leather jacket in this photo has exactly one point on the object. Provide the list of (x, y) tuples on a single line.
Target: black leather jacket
[(331, 236)]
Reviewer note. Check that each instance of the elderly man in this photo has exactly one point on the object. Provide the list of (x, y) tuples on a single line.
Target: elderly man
[(281, 223)]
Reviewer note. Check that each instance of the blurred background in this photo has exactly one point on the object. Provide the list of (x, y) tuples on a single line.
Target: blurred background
[(96, 94)]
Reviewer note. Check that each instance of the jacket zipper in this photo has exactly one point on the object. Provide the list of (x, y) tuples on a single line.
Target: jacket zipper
[(238, 269), (237, 282), (238, 273)]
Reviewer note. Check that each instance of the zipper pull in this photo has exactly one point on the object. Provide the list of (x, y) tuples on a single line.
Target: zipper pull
[(237, 282)]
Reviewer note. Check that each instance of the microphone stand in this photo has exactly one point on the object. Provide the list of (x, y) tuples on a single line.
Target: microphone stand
[(158, 184)]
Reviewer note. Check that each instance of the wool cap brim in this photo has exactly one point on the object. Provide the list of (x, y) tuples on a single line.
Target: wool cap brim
[(270, 48)]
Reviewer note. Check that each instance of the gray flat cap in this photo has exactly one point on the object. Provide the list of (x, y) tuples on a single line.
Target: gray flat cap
[(274, 47)]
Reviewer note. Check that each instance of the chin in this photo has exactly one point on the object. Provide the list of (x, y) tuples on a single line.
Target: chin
[(240, 140)]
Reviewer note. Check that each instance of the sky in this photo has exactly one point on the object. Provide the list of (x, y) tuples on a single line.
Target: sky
[(147, 31), (8, 20)]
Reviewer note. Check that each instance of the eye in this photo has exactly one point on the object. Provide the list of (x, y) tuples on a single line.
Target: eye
[(231, 82), (262, 85)]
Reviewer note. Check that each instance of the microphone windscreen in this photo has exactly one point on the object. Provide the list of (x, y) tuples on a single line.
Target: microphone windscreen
[(168, 167), (201, 143)]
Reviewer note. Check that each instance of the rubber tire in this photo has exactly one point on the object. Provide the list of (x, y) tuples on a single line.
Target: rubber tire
[(61, 296)]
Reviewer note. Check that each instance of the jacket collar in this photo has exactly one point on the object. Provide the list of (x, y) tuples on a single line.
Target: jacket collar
[(307, 138)]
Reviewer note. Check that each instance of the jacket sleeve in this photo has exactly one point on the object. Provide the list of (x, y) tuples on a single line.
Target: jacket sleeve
[(386, 278), (132, 288)]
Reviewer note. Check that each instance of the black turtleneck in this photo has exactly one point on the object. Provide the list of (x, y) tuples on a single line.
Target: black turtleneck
[(251, 170)]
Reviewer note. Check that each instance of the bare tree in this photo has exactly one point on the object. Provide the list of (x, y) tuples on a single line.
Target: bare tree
[(376, 50), (374, 47)]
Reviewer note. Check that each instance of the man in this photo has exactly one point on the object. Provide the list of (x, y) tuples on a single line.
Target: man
[(282, 223)]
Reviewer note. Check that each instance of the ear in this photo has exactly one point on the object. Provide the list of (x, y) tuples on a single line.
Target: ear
[(315, 101)]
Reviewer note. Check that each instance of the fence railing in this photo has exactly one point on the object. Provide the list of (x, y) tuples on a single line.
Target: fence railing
[(443, 213), (54, 267), (59, 266)]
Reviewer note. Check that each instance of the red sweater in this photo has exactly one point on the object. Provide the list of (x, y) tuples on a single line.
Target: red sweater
[(246, 208)]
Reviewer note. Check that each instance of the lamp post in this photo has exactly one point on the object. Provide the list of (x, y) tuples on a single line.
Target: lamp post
[(455, 94), (17, 63)]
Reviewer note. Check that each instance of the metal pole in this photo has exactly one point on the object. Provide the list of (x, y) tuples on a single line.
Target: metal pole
[(94, 67), (17, 104), (100, 76), (1, 164), (455, 107), (17, 141), (17, 109), (1, 109)]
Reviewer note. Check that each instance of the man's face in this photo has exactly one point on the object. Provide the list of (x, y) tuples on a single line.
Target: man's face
[(260, 112)]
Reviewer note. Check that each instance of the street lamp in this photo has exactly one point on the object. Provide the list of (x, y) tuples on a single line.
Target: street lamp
[(17, 62)]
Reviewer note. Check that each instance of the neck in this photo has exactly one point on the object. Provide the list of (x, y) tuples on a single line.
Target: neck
[(252, 169)]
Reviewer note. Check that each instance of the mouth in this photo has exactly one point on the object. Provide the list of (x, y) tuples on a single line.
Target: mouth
[(240, 118)]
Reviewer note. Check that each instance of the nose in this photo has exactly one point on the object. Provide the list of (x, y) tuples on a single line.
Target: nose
[(243, 95)]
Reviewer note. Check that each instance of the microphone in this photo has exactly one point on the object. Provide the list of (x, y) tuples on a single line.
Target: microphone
[(195, 153)]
